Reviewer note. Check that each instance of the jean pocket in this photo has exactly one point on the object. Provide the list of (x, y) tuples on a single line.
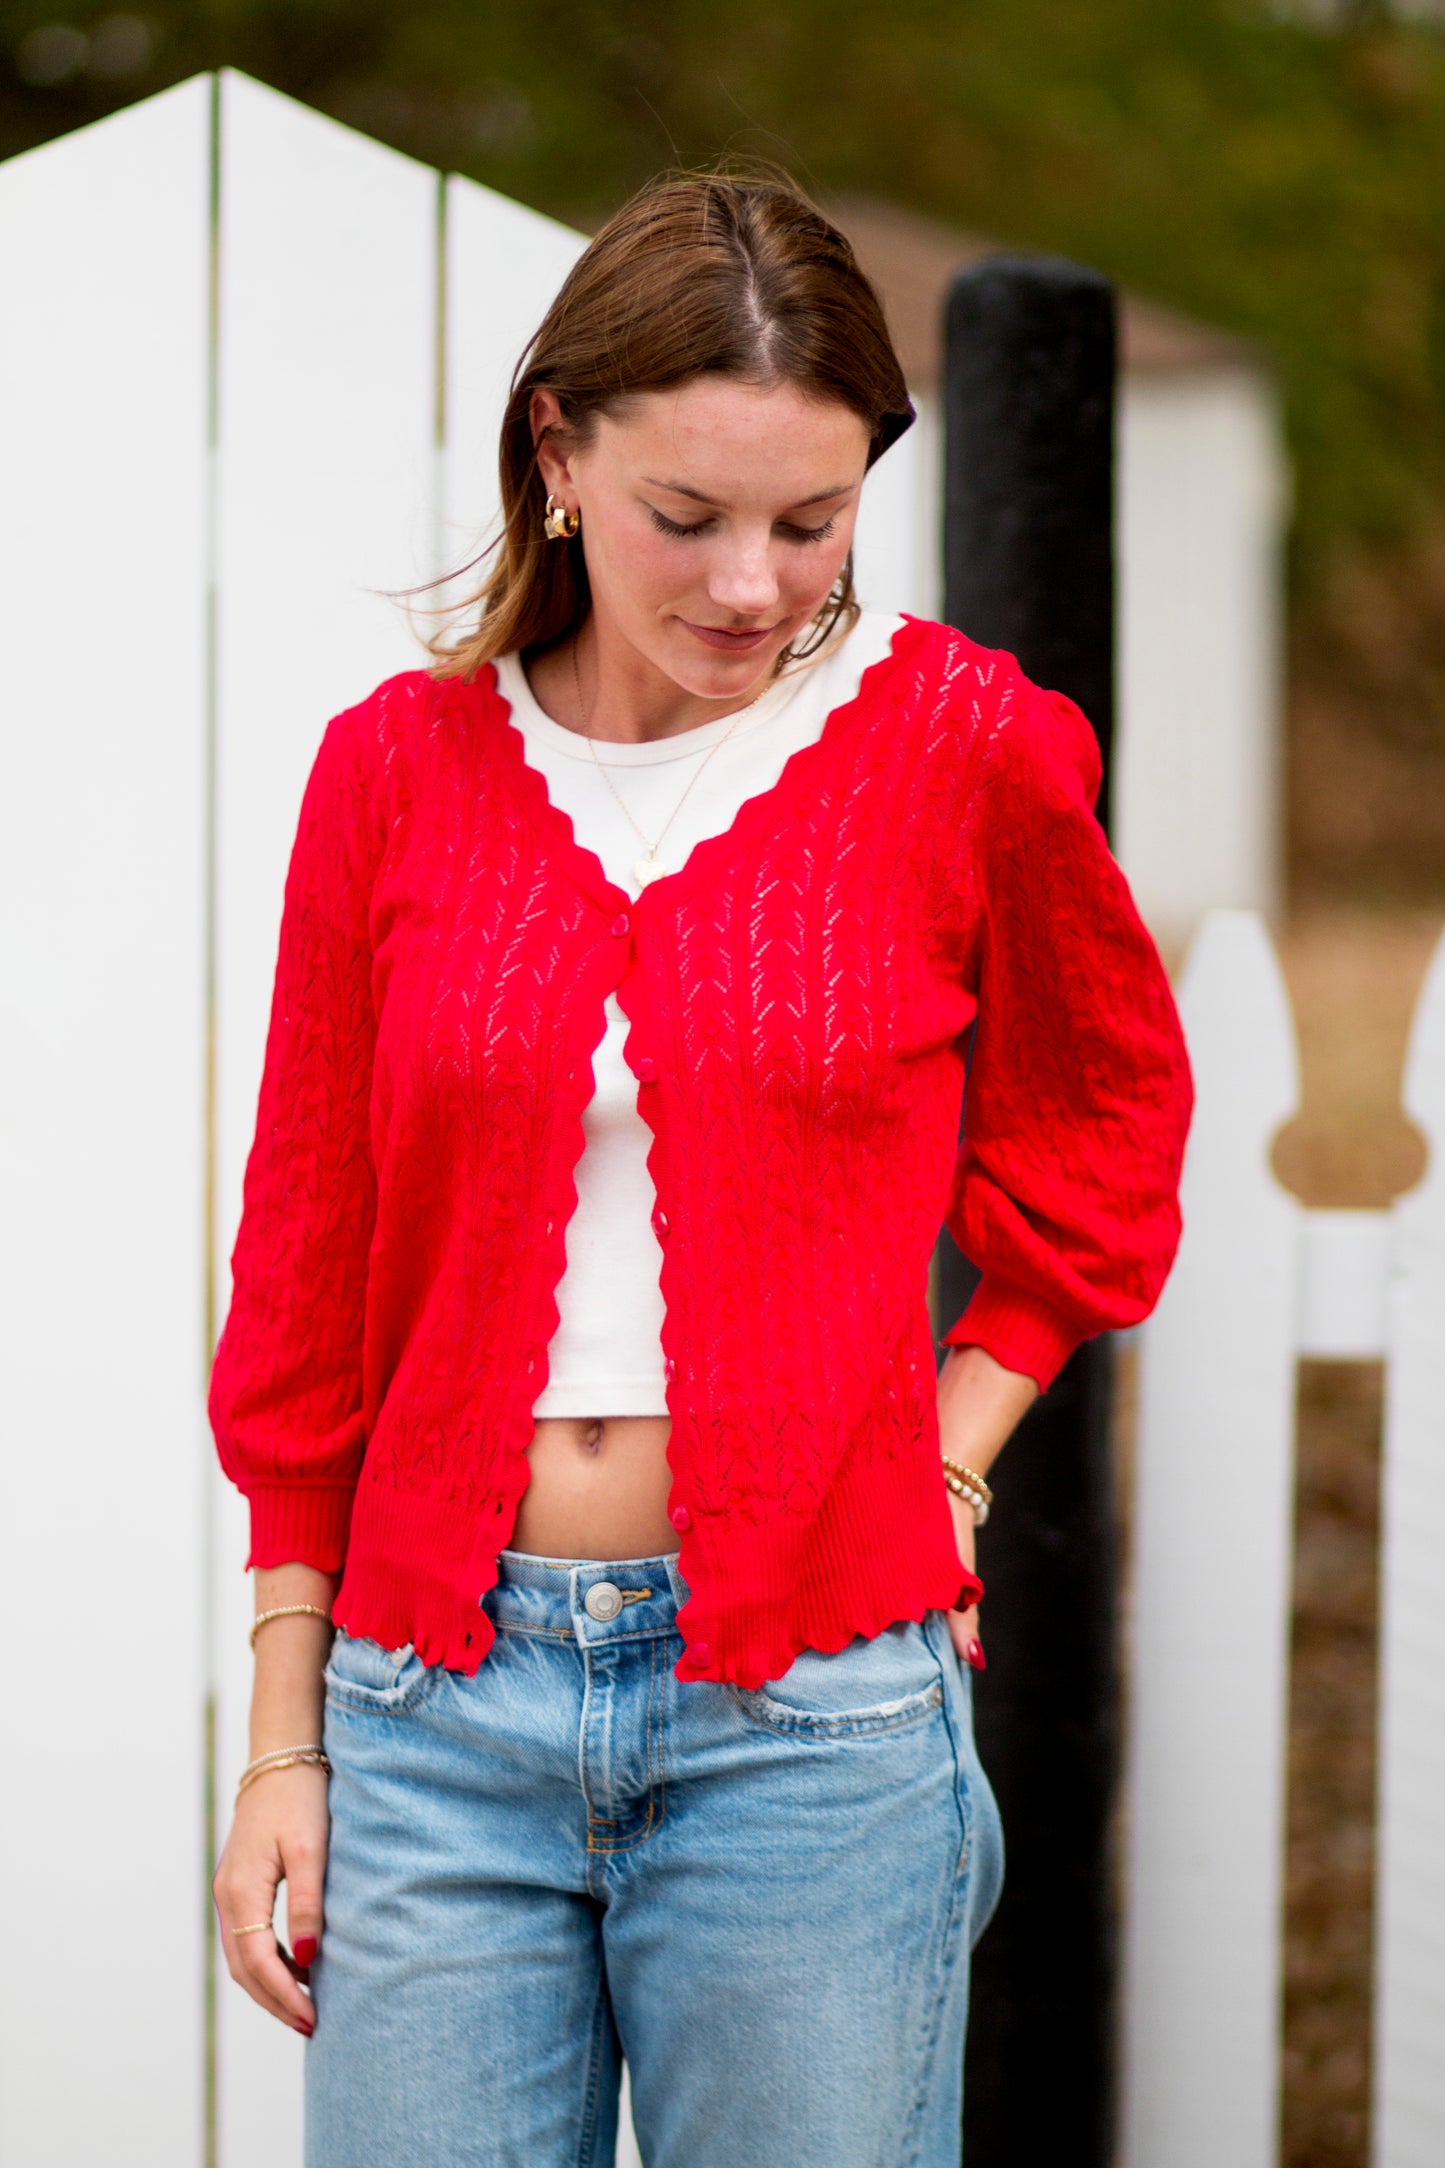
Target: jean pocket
[(879, 1684), (361, 1674)]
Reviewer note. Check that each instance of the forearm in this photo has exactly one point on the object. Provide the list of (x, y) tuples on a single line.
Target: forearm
[(980, 1405), (288, 1692)]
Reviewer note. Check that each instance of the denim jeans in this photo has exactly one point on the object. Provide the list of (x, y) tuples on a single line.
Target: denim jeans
[(764, 1899)]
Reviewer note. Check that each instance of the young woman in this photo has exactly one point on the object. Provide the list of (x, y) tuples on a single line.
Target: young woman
[(578, 1368)]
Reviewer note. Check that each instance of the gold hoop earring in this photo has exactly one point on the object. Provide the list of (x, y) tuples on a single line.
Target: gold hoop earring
[(559, 523)]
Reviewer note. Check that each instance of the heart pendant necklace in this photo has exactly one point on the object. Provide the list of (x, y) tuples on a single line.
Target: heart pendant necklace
[(651, 868)]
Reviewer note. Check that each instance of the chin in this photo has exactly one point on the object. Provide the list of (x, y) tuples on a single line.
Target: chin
[(742, 676), (711, 675)]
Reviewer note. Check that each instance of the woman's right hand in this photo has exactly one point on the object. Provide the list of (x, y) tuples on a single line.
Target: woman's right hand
[(278, 1834), (280, 1827)]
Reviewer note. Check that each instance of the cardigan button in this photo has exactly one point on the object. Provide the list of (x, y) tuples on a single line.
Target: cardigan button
[(681, 1519), (660, 1222), (647, 1070), (621, 924), (702, 1653), (669, 1371)]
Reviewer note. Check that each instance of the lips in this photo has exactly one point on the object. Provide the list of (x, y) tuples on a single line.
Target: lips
[(730, 643)]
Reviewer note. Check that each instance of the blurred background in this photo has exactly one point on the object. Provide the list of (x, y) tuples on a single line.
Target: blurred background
[(1265, 179), (1272, 167)]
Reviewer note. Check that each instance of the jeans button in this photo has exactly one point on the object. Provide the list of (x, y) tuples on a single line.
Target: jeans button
[(603, 1600)]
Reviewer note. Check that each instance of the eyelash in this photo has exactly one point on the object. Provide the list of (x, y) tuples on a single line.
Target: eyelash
[(664, 525)]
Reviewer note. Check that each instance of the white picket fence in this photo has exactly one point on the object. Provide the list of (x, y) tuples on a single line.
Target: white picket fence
[(279, 352), (251, 378), (1259, 1284)]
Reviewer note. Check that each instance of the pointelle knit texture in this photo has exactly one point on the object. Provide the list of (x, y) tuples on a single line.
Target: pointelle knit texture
[(925, 882)]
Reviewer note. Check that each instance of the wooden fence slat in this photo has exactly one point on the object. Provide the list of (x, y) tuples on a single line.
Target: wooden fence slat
[(1344, 1267), (1212, 1543), (504, 264), (103, 268), (326, 474), (898, 544), (1409, 2033)]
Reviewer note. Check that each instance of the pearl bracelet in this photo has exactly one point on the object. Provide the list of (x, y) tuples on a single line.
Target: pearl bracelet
[(964, 1483)]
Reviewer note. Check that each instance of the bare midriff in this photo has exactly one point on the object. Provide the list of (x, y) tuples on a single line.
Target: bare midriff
[(598, 1489)]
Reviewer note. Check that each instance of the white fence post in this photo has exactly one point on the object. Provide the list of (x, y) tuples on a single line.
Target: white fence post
[(103, 271), (1211, 1596), (1409, 2037), (325, 477), (1260, 1283), (504, 265), (329, 487), (898, 543)]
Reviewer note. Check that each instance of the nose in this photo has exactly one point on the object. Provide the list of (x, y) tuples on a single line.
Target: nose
[(743, 580)]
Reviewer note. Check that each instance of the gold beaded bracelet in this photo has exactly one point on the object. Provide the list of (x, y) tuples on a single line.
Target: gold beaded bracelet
[(969, 1475), (966, 1484), (287, 1610)]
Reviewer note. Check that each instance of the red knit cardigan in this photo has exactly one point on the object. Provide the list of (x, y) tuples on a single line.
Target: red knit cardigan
[(800, 993)]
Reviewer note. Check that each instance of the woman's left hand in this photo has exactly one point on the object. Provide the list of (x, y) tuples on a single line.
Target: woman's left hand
[(979, 1403), (963, 1625)]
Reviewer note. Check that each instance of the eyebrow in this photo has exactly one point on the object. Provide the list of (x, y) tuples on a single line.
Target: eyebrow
[(680, 489)]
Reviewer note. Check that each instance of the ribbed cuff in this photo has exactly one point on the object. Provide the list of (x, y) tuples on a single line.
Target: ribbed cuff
[(296, 1524), (1018, 1330)]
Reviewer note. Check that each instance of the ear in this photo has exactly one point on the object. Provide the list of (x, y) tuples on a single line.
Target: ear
[(549, 434)]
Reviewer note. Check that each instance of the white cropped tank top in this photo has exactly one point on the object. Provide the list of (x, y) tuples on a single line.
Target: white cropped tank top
[(605, 1357)]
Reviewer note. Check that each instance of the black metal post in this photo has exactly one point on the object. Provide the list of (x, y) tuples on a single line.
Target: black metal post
[(1028, 557)]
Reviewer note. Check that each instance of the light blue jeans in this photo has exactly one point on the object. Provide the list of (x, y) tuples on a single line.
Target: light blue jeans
[(765, 1900)]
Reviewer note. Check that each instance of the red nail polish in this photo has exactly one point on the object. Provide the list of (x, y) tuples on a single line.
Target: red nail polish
[(304, 1949), (305, 2030), (975, 1656)]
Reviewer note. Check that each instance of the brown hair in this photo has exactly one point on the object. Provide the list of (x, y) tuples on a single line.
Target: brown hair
[(736, 274)]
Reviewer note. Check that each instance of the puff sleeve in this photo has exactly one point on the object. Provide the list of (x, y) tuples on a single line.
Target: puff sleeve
[(285, 1399), (1065, 1193)]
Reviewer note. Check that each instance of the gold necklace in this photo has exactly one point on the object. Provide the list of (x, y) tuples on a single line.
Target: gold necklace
[(651, 867)]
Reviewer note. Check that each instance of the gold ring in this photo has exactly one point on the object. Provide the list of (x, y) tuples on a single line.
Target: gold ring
[(257, 1927)]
